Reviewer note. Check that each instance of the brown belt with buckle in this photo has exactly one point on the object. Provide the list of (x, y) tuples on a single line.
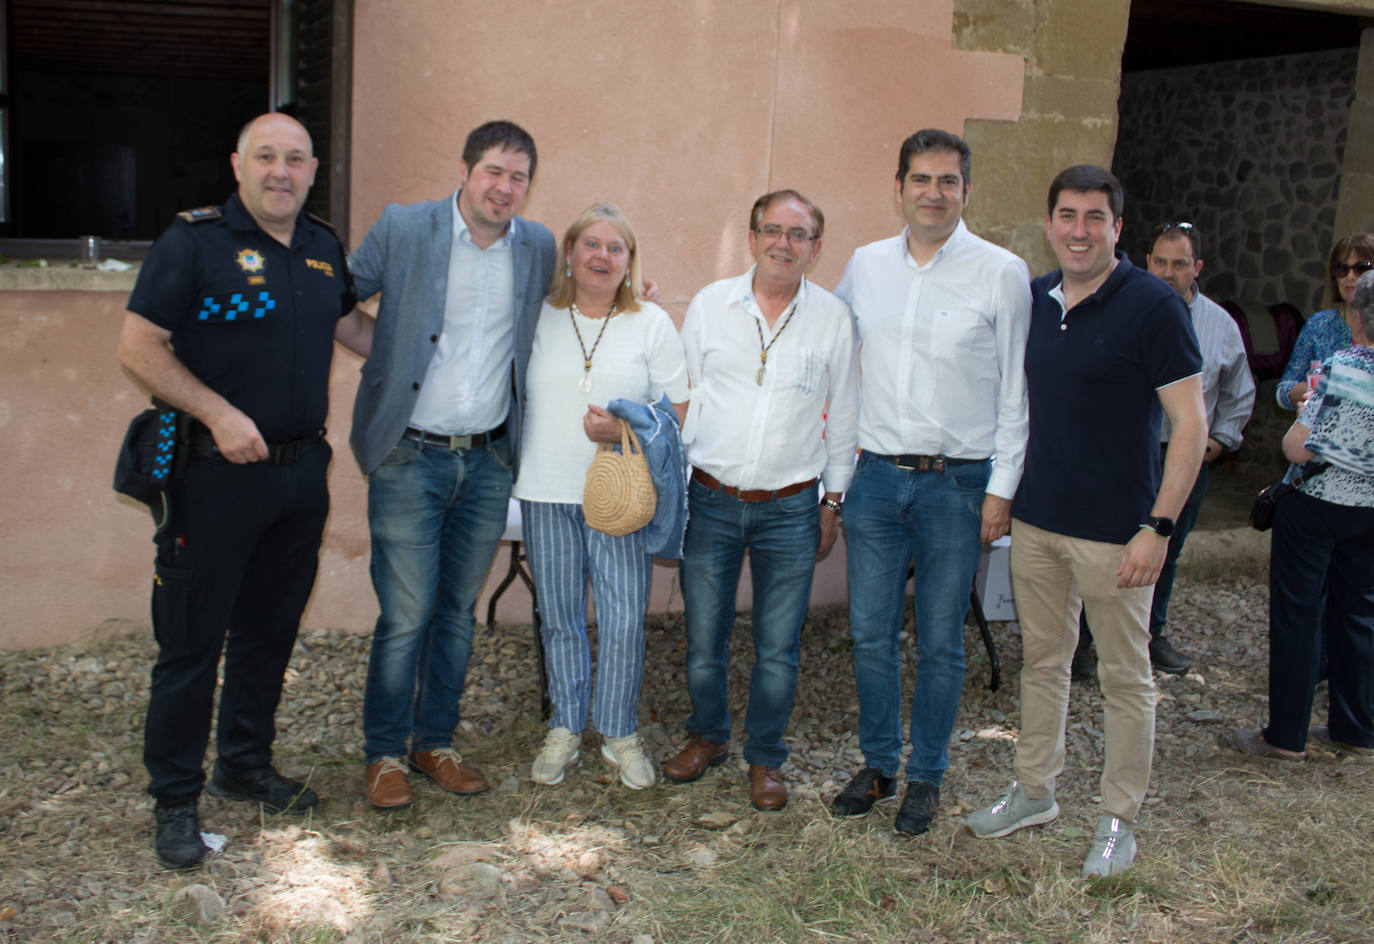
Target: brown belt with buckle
[(751, 494), (923, 463)]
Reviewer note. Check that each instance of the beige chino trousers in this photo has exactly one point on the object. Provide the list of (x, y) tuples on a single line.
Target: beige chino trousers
[(1052, 575)]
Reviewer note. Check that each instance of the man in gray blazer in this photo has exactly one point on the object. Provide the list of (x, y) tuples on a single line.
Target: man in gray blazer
[(436, 428)]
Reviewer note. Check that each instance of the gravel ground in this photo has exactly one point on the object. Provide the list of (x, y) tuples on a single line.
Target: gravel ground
[(75, 827)]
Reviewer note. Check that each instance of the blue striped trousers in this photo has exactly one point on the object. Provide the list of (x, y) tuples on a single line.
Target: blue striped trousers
[(565, 555)]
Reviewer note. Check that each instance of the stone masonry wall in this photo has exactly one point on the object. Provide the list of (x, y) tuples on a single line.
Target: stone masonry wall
[(1250, 152)]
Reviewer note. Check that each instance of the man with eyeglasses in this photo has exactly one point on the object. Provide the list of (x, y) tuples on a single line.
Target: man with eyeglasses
[(1228, 393), (774, 409), (941, 317)]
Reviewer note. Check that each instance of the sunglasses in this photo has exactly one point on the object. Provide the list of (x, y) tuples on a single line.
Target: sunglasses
[(1341, 269)]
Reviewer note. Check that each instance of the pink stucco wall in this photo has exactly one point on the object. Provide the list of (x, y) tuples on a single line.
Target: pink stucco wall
[(682, 113)]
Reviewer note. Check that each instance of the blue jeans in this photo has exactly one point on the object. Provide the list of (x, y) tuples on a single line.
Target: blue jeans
[(436, 518), (564, 554), (893, 517), (781, 536), (1164, 586)]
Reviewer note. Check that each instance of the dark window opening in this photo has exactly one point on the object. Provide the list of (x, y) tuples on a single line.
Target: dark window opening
[(117, 114)]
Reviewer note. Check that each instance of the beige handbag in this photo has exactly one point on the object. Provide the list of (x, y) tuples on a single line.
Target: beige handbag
[(619, 496)]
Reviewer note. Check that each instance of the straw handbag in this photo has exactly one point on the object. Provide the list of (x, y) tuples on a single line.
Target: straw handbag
[(619, 496)]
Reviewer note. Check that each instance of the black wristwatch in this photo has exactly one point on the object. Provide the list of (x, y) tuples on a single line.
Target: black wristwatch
[(834, 506), (1164, 527)]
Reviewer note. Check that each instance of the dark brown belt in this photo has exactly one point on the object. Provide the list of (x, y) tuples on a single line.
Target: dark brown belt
[(752, 494), (466, 441), (922, 463)]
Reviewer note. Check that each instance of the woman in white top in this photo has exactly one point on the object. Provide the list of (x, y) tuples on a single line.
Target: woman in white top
[(596, 341)]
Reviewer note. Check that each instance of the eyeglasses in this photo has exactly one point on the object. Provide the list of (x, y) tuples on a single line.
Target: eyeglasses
[(795, 235), (1341, 269), (1181, 227)]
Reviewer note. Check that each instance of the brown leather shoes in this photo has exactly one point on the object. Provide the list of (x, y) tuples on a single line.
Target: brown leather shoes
[(691, 762), (766, 790), (445, 767), (388, 788)]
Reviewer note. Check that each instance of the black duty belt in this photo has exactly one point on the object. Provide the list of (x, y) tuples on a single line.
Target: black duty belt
[(456, 443), (282, 453), (923, 463)]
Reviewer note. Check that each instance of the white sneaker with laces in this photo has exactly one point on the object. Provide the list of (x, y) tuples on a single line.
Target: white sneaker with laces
[(627, 754), (1113, 849), (560, 751)]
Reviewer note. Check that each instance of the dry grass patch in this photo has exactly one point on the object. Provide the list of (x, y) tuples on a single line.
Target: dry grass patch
[(1232, 849)]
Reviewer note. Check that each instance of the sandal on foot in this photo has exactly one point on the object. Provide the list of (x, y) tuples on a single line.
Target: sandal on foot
[(1251, 741)]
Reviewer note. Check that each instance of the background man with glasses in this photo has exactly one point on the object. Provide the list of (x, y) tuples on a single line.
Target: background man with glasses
[(942, 317), (767, 353)]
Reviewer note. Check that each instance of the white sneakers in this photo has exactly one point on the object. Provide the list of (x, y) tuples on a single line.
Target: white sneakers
[(627, 754), (560, 751)]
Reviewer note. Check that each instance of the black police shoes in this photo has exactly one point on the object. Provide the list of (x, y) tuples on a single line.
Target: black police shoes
[(262, 785), (178, 841)]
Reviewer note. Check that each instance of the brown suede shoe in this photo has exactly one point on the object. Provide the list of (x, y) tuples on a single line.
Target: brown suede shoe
[(445, 767), (766, 790), (691, 762), (388, 788)]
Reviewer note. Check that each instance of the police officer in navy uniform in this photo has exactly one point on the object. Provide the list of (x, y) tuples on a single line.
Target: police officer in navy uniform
[(233, 321)]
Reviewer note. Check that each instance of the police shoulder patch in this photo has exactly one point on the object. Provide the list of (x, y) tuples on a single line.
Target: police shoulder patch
[(200, 214)]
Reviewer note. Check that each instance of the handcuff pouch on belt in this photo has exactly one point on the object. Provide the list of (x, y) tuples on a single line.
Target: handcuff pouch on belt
[(154, 452)]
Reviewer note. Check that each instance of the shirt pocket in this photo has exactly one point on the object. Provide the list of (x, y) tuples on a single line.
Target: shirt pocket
[(806, 369), (960, 333)]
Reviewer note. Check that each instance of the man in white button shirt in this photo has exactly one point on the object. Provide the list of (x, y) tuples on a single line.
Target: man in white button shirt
[(942, 317), (436, 428), (768, 353)]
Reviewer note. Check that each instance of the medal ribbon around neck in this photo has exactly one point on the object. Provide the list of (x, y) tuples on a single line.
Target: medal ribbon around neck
[(763, 348), (585, 383)]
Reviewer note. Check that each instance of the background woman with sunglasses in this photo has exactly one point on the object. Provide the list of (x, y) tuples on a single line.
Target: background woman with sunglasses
[(1331, 330)]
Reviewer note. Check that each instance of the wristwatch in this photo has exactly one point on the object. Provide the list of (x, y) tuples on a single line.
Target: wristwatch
[(1164, 527), (833, 505)]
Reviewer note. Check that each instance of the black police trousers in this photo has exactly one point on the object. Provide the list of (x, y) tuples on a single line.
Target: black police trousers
[(234, 570)]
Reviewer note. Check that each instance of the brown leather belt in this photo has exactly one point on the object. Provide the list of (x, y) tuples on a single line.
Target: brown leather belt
[(751, 494), (913, 463)]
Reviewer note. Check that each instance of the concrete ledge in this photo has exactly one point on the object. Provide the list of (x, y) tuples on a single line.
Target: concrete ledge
[(1228, 552), (61, 276)]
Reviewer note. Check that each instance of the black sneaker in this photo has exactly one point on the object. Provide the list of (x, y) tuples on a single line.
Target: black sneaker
[(177, 839), (869, 786), (262, 785), (918, 808), (1165, 658)]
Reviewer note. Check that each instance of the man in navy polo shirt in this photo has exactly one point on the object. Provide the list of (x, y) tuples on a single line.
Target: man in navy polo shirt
[(233, 321), (1111, 349)]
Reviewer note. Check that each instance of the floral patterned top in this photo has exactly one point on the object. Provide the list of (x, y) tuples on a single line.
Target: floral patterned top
[(1341, 417)]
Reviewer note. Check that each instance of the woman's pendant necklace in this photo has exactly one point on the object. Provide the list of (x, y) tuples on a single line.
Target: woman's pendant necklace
[(584, 383)]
